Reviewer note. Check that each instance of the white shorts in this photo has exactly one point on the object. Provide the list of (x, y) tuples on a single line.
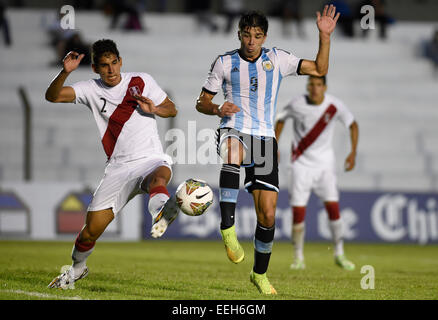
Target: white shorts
[(122, 181), (303, 180)]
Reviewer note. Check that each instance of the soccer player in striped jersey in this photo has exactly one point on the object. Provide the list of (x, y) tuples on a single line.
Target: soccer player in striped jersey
[(312, 166), (250, 78), (124, 106)]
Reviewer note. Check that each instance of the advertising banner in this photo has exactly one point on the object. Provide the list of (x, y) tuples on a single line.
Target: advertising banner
[(48, 211), (57, 211), (366, 217)]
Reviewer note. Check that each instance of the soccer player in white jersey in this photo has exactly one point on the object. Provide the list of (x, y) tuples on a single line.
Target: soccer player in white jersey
[(124, 106), (312, 164), (250, 78)]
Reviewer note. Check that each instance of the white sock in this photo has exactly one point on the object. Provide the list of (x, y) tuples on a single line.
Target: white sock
[(298, 232), (79, 260), (336, 229), (156, 203)]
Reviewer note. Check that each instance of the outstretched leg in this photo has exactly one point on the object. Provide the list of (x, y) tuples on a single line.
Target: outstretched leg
[(95, 224), (232, 153), (162, 206)]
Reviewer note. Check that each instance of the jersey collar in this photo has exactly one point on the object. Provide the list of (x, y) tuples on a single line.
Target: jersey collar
[(255, 60)]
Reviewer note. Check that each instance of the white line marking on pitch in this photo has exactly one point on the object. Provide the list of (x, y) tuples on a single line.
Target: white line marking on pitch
[(41, 295)]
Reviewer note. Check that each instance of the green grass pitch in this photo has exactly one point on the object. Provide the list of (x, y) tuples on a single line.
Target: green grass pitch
[(199, 270)]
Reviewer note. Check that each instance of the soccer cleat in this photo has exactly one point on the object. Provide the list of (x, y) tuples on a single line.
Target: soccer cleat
[(164, 218), (232, 246), (298, 264), (262, 283), (66, 279), (344, 263)]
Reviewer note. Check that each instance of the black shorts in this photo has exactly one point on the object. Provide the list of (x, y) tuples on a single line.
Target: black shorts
[(260, 162)]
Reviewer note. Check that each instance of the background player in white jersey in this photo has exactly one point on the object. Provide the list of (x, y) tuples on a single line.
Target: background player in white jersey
[(312, 164), (124, 106), (250, 77)]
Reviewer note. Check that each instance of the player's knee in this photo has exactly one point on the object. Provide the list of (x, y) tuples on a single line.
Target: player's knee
[(87, 236), (266, 216), (91, 233), (159, 177), (156, 182)]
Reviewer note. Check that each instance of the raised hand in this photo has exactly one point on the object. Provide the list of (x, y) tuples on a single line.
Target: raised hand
[(327, 21), (71, 61)]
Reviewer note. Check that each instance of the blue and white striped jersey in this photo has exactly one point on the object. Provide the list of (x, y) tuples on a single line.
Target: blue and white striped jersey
[(252, 86)]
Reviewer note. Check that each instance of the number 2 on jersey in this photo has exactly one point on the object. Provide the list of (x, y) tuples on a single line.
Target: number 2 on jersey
[(104, 104)]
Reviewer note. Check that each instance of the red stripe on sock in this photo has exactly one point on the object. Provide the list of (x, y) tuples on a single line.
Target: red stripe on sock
[(158, 189), (332, 210), (298, 214), (83, 246)]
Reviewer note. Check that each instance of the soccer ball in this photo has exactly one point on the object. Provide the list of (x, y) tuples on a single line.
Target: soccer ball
[(194, 197)]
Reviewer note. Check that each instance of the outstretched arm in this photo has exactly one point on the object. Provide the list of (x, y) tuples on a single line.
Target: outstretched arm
[(56, 92), (326, 24), (354, 137)]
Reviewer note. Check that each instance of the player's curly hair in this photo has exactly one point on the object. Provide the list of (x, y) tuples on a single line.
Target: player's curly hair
[(100, 47), (252, 19)]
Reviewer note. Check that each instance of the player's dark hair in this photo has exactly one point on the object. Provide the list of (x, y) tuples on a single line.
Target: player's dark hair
[(101, 47), (323, 78), (252, 19)]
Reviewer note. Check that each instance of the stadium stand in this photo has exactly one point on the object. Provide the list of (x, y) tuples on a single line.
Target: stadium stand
[(389, 88)]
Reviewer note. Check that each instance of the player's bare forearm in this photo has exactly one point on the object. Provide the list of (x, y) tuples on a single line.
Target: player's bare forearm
[(354, 136), (350, 162), (56, 92), (326, 23), (322, 57), (166, 109), (319, 67), (205, 105)]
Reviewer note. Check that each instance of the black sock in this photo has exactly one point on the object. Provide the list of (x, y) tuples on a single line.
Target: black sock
[(263, 241), (227, 214), (229, 189)]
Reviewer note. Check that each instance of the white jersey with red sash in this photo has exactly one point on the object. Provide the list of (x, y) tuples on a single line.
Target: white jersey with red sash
[(313, 127), (127, 133)]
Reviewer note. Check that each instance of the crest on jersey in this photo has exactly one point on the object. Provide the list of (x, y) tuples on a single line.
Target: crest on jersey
[(267, 65), (134, 91)]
